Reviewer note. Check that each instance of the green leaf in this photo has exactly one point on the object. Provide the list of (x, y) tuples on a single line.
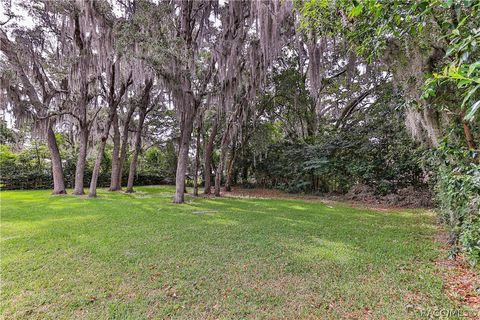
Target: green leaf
[(472, 111), (356, 11), (398, 19), (422, 5), (430, 92), (463, 83), (447, 4), (469, 94), (473, 67)]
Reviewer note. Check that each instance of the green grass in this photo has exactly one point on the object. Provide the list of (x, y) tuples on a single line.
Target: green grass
[(139, 256)]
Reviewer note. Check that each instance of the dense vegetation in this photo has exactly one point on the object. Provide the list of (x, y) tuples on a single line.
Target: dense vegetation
[(30, 167), (307, 96)]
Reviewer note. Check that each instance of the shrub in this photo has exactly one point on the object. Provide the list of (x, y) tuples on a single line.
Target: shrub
[(457, 192)]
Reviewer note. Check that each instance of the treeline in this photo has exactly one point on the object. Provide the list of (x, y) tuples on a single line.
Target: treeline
[(31, 169)]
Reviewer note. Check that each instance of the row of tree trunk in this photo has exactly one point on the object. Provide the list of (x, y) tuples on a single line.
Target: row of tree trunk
[(226, 161), (120, 145)]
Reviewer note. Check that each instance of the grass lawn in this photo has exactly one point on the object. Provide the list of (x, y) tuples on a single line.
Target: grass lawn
[(138, 256)]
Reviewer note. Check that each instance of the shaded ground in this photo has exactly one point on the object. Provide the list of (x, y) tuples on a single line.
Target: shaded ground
[(138, 256), (363, 200), (461, 281)]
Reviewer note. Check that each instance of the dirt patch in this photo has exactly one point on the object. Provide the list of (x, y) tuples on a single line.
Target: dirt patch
[(462, 285), (362, 193), (409, 197), (362, 197), (461, 281)]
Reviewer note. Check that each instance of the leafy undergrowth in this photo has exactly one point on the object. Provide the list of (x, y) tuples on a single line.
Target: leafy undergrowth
[(138, 256)]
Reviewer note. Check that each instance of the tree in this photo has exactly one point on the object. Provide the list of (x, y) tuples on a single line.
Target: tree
[(90, 47), (113, 100), (33, 96), (209, 143), (119, 152), (144, 104)]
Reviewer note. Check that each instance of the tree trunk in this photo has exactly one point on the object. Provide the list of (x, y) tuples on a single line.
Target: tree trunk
[(123, 150), (101, 150), (57, 169), (230, 165), (208, 159), (197, 160), (115, 155), (469, 136), (136, 152), (219, 172), (182, 163), (138, 136), (223, 151), (82, 157)]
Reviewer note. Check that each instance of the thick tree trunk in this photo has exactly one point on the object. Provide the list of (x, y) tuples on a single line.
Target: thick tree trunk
[(208, 159), (197, 160), (115, 155), (82, 157), (138, 136), (57, 169), (101, 150)]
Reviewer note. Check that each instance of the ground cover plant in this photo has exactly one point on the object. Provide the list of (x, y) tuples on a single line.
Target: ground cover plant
[(138, 256)]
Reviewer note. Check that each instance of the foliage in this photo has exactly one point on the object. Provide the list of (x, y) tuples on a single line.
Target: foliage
[(463, 66), (458, 196), (30, 169), (160, 160), (432, 50), (7, 135), (373, 148)]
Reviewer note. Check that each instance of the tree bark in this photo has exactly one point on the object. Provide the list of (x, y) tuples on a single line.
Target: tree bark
[(197, 159), (138, 145), (230, 165), (221, 163), (123, 150), (113, 101), (82, 156), (57, 169), (115, 155), (101, 150), (469, 136), (182, 163), (223, 149), (138, 136), (208, 159)]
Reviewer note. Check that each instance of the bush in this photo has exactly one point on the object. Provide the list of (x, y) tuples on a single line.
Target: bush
[(44, 180), (30, 169), (27, 180), (375, 150), (457, 192)]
